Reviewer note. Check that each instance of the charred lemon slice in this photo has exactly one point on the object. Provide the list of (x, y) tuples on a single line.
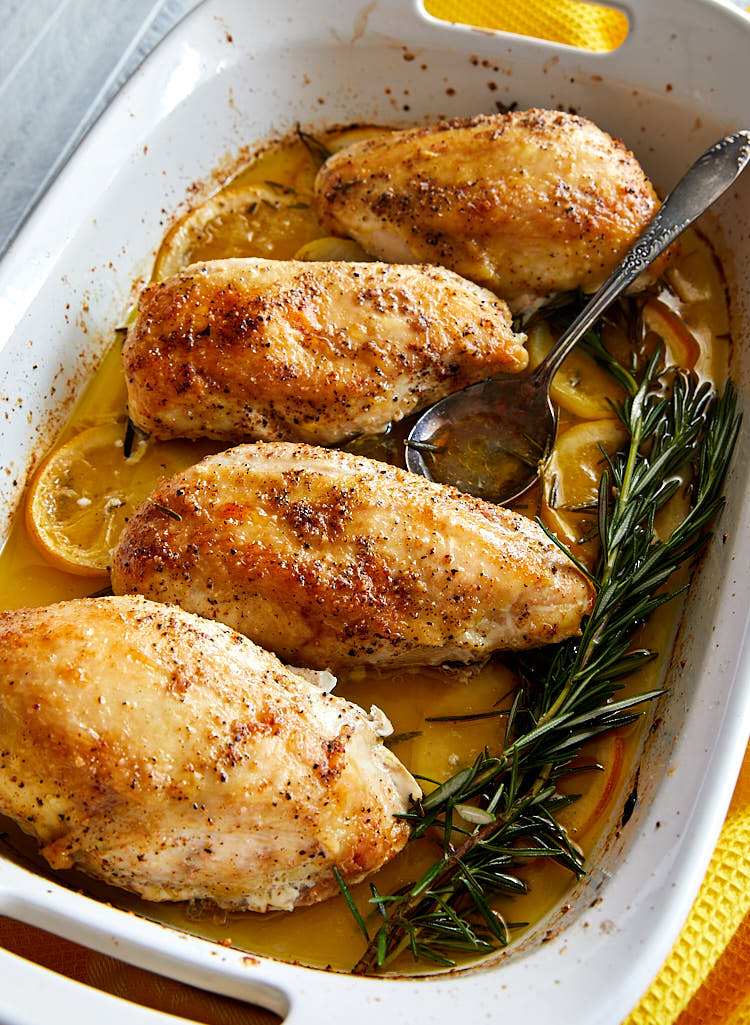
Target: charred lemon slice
[(84, 492), (581, 386), (680, 347), (269, 221)]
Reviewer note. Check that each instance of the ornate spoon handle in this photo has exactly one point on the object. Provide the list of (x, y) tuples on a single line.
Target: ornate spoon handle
[(709, 177)]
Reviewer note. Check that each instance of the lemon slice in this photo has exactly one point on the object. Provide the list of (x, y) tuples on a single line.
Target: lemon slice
[(594, 799), (345, 137), (84, 492), (699, 287), (571, 482), (580, 385), (331, 248), (680, 347), (695, 276), (268, 221)]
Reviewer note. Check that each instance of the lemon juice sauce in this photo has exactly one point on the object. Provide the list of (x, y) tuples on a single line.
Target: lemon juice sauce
[(90, 485)]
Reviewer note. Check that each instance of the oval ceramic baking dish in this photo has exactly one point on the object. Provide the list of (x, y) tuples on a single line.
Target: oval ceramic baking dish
[(233, 73)]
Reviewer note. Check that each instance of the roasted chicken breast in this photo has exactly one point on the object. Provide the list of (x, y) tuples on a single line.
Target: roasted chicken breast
[(168, 755), (528, 203), (271, 349), (331, 559)]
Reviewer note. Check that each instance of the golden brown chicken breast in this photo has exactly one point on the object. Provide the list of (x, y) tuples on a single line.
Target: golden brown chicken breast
[(168, 755), (273, 349), (331, 559), (529, 203)]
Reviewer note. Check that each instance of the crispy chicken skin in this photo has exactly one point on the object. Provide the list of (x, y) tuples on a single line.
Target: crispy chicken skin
[(168, 755), (528, 203), (287, 350), (331, 559)]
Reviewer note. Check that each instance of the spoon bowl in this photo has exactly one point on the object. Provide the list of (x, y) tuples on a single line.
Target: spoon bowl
[(493, 438), (488, 440)]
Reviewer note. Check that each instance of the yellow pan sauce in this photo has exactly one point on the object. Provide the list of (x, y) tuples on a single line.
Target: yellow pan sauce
[(325, 935)]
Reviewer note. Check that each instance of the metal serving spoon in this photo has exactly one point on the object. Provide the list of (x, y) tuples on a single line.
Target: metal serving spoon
[(492, 438)]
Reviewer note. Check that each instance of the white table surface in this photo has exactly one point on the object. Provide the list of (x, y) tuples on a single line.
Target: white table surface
[(61, 62)]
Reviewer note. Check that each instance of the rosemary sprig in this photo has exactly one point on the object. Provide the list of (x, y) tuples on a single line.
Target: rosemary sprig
[(502, 810)]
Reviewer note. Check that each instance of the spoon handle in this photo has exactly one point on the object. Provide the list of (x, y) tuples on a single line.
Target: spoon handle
[(708, 178)]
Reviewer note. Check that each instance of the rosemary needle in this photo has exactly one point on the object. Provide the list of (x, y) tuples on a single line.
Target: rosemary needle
[(165, 509), (567, 694)]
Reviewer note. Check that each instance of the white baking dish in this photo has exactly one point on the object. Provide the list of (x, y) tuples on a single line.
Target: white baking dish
[(234, 73)]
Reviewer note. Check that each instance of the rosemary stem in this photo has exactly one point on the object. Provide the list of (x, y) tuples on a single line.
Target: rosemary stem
[(621, 501)]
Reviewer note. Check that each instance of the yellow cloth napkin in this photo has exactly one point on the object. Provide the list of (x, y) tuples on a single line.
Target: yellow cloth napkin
[(706, 978), (590, 26)]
